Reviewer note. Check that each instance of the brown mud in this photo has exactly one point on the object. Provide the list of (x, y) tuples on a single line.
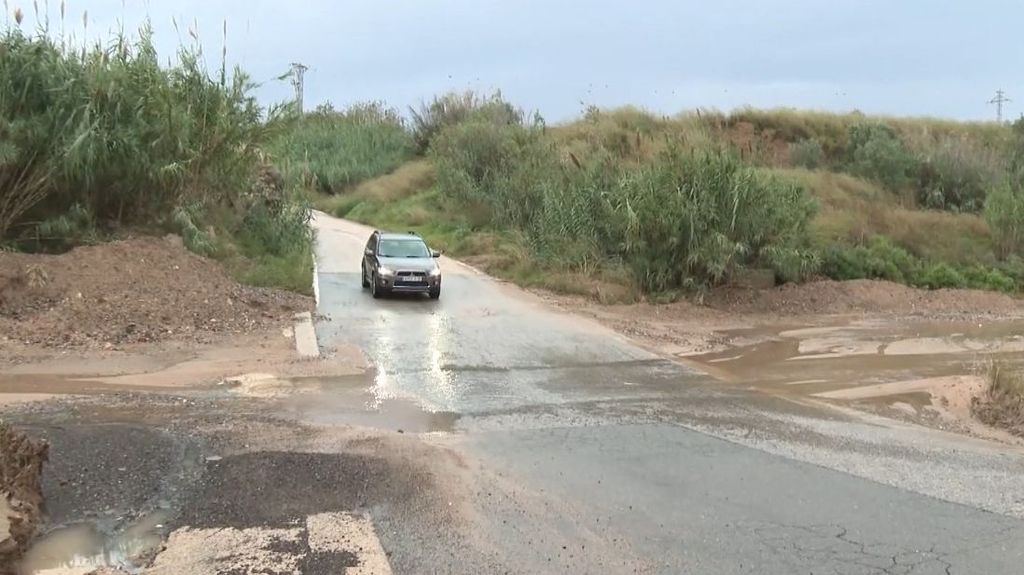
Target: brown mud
[(21, 493)]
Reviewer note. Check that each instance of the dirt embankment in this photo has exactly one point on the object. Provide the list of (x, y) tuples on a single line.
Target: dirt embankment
[(133, 291), (21, 495), (862, 296)]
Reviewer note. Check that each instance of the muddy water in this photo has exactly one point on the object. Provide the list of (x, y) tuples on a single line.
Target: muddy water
[(361, 401), (813, 360), (26, 385), (84, 547)]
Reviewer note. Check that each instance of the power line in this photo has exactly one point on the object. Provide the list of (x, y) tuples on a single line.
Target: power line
[(298, 80), (999, 100)]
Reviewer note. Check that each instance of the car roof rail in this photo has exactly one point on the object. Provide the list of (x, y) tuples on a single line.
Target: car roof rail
[(412, 233)]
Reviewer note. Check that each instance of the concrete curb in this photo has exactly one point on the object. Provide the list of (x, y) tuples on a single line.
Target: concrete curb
[(316, 283), (305, 336)]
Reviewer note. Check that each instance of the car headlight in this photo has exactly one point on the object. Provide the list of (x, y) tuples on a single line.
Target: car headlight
[(436, 272), (385, 271)]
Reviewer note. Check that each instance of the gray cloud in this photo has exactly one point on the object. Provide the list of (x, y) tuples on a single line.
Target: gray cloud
[(908, 57)]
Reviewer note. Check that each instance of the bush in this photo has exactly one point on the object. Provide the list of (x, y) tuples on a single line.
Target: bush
[(679, 221), (876, 153), (879, 259), (955, 175), (508, 168), (279, 232), (882, 259), (1004, 212), (331, 151), (938, 276), (455, 108), (806, 154), (692, 219), (111, 131), (989, 279)]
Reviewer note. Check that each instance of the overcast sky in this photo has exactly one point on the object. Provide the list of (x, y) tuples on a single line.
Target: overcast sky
[(916, 57)]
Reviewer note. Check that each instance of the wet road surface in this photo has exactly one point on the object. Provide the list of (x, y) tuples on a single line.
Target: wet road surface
[(614, 459)]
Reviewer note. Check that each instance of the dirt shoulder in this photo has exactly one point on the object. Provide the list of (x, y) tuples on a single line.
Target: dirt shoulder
[(140, 290)]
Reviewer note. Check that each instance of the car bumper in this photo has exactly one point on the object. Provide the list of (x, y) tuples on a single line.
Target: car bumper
[(392, 284)]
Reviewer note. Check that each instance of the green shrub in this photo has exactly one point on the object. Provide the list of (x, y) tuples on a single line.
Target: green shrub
[(956, 174), (77, 226), (879, 259), (331, 151), (875, 152), (108, 129), (279, 232), (807, 154), (882, 259), (989, 279), (1004, 212), (455, 108), (691, 219), (195, 240), (508, 168), (938, 276), (679, 221)]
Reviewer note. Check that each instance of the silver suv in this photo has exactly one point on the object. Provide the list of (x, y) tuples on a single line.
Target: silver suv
[(400, 263)]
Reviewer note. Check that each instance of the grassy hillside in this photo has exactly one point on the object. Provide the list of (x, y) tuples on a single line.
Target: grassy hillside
[(623, 202)]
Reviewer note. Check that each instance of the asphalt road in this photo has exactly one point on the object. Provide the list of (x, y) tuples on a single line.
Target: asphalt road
[(598, 456)]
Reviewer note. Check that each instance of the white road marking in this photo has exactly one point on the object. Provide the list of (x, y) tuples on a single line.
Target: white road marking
[(229, 550), (265, 550)]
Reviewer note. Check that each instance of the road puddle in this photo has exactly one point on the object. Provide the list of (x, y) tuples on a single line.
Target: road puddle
[(82, 548), (825, 360), (357, 400)]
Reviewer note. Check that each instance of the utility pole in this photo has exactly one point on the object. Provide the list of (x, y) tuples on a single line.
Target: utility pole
[(298, 73), (999, 100)]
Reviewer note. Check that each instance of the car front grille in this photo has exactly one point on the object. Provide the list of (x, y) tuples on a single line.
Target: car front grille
[(412, 274)]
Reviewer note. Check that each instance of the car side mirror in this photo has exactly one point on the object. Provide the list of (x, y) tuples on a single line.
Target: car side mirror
[(368, 252), (435, 254)]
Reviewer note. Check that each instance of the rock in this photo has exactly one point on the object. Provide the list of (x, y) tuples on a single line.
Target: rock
[(21, 492)]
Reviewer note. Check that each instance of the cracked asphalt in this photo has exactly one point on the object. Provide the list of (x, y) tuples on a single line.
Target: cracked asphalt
[(593, 455)]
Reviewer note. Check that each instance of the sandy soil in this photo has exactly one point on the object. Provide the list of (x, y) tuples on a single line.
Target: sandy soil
[(141, 290)]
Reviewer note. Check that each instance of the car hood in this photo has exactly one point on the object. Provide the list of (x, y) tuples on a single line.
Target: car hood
[(409, 264)]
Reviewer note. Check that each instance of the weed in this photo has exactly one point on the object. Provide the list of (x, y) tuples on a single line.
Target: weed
[(807, 154), (455, 108), (332, 151), (1002, 405), (875, 152)]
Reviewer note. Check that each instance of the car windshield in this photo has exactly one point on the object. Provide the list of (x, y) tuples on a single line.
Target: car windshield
[(403, 249)]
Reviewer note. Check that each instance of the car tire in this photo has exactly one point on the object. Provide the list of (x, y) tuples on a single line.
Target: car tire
[(435, 293), (374, 290), (362, 278)]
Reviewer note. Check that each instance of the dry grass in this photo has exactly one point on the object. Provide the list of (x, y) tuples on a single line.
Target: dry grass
[(402, 183), (762, 136), (407, 180), (1002, 405), (632, 134), (853, 210)]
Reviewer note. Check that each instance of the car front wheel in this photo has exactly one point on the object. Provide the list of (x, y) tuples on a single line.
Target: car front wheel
[(374, 287), (435, 292)]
